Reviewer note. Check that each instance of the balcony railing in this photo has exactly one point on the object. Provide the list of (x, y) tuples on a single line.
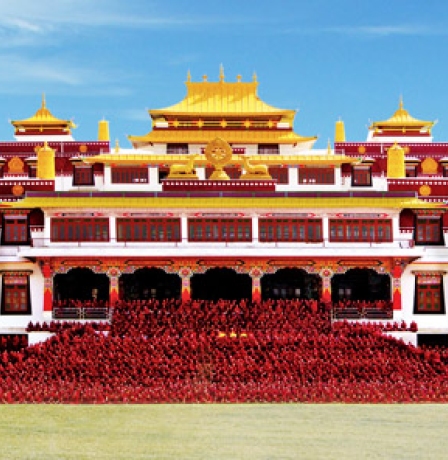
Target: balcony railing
[(366, 313), (82, 313)]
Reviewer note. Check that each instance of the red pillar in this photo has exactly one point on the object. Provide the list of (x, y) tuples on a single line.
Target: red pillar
[(114, 275), (48, 287), (326, 284), (256, 274), (185, 274), (396, 286)]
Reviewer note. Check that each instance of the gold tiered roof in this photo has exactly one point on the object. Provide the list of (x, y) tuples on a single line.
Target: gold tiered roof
[(401, 120), (42, 120), (222, 109)]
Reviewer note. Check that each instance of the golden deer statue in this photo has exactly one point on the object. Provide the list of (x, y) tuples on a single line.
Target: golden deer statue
[(258, 171), (184, 170)]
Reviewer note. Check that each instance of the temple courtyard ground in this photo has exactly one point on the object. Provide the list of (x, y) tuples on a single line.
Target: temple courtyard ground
[(224, 431)]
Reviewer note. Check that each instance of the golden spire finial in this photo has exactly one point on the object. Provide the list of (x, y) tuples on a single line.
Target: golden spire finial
[(400, 104), (204, 77), (221, 73), (329, 147), (117, 146), (254, 77), (339, 132), (188, 76), (44, 104), (238, 78)]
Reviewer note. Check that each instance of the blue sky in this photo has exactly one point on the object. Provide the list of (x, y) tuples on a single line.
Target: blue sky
[(116, 59)]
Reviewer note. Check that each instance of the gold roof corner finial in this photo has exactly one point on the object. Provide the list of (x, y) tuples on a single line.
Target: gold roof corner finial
[(254, 77), (117, 146), (188, 76), (221, 73)]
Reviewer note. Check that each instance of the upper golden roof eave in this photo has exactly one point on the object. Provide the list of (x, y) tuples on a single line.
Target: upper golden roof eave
[(233, 137), (43, 117), (402, 119)]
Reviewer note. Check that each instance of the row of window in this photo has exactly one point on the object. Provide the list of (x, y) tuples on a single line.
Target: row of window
[(83, 175), (218, 229), (16, 230)]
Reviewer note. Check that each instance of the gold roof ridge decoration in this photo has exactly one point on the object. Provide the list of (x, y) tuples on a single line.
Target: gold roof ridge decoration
[(43, 118), (209, 108), (401, 119), (222, 97)]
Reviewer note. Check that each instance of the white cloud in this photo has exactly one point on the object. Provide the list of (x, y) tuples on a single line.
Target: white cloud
[(386, 30), (19, 75), (48, 15)]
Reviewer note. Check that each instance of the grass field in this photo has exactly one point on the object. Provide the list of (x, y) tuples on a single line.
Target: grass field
[(209, 432)]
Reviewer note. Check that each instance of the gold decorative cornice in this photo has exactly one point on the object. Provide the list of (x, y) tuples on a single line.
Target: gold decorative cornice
[(232, 136), (117, 159), (188, 202)]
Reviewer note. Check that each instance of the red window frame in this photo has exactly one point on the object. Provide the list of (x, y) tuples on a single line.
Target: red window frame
[(220, 230), (429, 297), (16, 294), (361, 176), (290, 230), (15, 230), (411, 170), (268, 149), (148, 229), (83, 175), (428, 230), (316, 175), (280, 174), (360, 230), (32, 170), (177, 149), (130, 175), (75, 229)]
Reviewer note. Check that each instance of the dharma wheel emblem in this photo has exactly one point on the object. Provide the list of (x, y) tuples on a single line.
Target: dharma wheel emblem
[(219, 153)]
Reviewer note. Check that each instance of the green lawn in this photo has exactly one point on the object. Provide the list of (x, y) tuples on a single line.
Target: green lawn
[(213, 431)]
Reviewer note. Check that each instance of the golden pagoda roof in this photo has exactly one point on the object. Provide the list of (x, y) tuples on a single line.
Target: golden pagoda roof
[(402, 119), (224, 98), (43, 117), (222, 109)]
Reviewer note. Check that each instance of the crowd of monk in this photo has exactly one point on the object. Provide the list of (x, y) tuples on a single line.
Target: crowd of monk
[(223, 351)]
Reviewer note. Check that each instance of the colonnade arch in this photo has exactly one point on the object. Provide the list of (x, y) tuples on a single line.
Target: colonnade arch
[(360, 284), (288, 283), (81, 284), (257, 279), (149, 283), (221, 283)]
